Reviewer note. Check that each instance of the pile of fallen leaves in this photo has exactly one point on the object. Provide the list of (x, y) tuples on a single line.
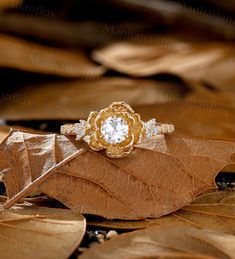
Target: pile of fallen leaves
[(174, 196)]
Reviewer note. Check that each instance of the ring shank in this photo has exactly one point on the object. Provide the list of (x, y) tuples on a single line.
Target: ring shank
[(68, 129), (165, 128), (71, 129)]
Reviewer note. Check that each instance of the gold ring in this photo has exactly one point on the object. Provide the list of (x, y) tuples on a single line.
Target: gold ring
[(116, 129)]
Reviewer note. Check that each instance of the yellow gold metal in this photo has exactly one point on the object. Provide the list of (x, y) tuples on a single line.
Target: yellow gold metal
[(68, 129), (127, 126)]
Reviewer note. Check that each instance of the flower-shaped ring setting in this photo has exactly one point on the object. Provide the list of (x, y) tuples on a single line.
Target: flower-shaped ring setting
[(116, 129)]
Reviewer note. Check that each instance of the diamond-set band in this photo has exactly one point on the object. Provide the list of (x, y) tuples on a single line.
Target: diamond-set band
[(152, 129), (116, 128)]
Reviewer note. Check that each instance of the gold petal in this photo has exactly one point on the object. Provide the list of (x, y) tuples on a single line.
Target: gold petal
[(91, 121), (128, 142), (121, 107), (102, 142), (127, 117), (115, 151), (94, 143), (103, 114), (138, 128), (127, 151)]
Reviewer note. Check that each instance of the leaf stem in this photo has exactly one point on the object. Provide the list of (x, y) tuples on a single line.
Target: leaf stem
[(40, 180)]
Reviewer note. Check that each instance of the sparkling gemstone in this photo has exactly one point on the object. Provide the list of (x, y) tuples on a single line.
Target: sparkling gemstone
[(114, 130), (151, 129), (80, 129)]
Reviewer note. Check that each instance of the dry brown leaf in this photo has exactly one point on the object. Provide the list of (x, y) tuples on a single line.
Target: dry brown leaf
[(5, 4), (159, 176), (166, 242), (38, 232), (51, 101), (198, 112), (188, 20), (217, 212), (229, 200), (32, 57), (58, 31), (192, 118), (212, 62), (4, 131), (76, 33), (213, 197), (208, 96)]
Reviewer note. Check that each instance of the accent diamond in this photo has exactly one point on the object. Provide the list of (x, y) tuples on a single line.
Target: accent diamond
[(115, 130), (80, 129), (151, 129)]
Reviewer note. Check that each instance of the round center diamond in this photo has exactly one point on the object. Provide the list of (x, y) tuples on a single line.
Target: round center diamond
[(114, 130)]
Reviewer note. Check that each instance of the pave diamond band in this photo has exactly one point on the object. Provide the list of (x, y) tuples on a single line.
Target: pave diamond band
[(78, 129), (116, 129), (152, 129)]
